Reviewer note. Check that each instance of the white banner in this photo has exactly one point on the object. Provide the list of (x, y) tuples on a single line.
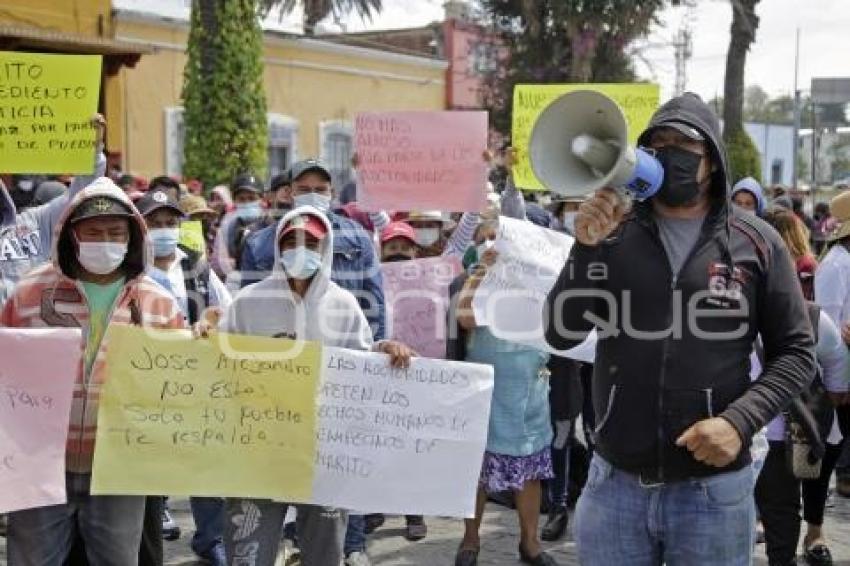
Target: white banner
[(510, 299), (400, 441)]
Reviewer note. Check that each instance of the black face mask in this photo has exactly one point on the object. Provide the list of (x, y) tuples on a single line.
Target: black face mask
[(396, 257), (681, 166)]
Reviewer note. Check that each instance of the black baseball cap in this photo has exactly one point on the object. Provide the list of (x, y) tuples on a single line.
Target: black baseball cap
[(100, 206), (685, 129), (309, 166), (155, 200), (163, 182), (246, 182), (281, 180)]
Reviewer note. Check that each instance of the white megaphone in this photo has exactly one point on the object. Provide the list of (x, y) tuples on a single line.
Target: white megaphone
[(579, 144)]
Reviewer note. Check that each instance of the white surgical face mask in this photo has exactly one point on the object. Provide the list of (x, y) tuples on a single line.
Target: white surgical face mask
[(321, 202), (300, 263), (101, 258), (249, 210), (164, 240), (426, 237)]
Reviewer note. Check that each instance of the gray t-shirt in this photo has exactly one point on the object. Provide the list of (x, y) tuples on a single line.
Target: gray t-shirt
[(679, 236)]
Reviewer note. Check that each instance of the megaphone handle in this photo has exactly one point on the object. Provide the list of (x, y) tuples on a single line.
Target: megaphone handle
[(625, 197)]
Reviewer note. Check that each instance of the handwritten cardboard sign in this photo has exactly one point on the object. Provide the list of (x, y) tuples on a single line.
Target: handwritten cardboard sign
[(36, 387), (192, 236), (417, 298), (638, 101), (510, 299), (234, 415), (400, 441), (421, 160), (46, 104), (245, 416)]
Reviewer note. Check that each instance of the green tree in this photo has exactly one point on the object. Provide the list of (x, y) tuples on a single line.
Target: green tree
[(839, 157), (223, 98), (552, 41), (743, 155), (314, 11)]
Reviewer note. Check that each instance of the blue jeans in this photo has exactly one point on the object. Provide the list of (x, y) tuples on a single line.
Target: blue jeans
[(209, 516), (110, 526), (706, 521), (355, 535)]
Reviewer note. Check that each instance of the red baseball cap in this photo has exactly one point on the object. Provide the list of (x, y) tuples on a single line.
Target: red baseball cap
[(398, 230), (309, 223)]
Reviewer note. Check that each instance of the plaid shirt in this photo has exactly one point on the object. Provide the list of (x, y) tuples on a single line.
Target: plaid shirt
[(47, 298)]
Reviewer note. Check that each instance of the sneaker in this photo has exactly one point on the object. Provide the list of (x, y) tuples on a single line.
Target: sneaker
[(556, 525), (170, 529), (216, 556), (373, 522), (291, 554), (416, 529), (357, 559), (818, 555)]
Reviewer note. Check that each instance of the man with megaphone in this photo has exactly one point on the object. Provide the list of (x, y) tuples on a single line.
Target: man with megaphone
[(678, 286)]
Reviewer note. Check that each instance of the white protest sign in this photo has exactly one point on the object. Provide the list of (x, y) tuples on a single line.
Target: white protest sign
[(400, 441), (510, 299)]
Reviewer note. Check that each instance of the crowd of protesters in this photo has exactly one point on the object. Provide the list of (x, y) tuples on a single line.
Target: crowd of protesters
[(689, 440)]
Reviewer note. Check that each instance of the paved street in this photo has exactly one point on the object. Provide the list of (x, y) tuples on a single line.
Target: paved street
[(387, 547)]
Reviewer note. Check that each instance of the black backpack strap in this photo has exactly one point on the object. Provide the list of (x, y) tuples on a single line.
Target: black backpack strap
[(814, 317), (196, 278)]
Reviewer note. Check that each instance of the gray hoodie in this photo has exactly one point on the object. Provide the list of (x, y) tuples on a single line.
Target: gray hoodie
[(327, 313), (25, 238)]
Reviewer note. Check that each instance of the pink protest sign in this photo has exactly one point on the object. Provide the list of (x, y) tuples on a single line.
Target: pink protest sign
[(36, 386), (417, 298), (421, 160)]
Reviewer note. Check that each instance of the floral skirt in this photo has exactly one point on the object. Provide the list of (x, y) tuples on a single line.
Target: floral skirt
[(502, 473)]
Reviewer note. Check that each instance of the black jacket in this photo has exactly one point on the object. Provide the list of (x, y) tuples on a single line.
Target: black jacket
[(738, 280)]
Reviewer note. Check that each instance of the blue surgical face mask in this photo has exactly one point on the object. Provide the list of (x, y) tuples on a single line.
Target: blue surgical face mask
[(164, 240), (249, 210), (321, 202), (300, 263)]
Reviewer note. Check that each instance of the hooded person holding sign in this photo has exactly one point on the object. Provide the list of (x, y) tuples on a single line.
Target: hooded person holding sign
[(97, 279), (300, 302)]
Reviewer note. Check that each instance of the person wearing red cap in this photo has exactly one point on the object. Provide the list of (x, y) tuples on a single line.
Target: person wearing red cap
[(300, 302), (398, 242)]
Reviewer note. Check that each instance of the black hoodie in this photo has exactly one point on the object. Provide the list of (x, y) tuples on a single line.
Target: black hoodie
[(738, 280)]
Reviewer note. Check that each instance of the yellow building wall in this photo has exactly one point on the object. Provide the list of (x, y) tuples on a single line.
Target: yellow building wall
[(82, 17), (342, 85)]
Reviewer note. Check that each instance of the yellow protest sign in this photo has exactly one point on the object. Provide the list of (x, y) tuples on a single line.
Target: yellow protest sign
[(46, 104), (639, 102), (192, 236), (226, 416)]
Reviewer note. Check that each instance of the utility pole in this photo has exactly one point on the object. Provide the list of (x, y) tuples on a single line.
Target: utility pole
[(684, 50), (684, 46), (794, 168)]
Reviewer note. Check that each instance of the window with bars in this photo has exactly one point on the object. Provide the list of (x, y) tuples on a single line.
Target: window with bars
[(283, 136), (337, 148), (175, 135)]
